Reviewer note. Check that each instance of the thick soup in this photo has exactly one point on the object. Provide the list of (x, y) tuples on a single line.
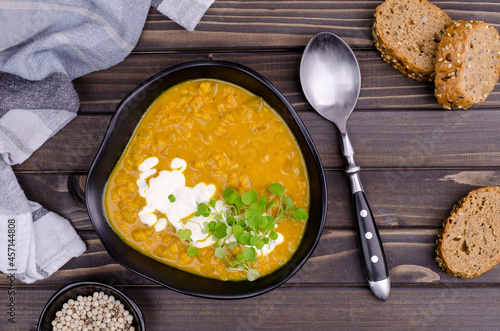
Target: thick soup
[(212, 182)]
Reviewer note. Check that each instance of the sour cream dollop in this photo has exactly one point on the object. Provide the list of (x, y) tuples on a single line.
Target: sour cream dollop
[(157, 190), (179, 212)]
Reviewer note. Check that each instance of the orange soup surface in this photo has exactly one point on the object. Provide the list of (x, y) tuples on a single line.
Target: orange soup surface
[(197, 138)]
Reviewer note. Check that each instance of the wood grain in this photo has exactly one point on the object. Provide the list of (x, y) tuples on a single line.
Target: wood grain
[(285, 24), (406, 140), (382, 87), (292, 307), (336, 261), (399, 199)]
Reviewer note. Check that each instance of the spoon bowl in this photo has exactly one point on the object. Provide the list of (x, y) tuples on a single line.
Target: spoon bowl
[(330, 78)]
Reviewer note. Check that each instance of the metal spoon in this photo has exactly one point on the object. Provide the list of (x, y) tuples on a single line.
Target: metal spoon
[(330, 78)]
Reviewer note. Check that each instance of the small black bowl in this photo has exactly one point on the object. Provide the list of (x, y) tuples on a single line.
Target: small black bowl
[(72, 291), (120, 129)]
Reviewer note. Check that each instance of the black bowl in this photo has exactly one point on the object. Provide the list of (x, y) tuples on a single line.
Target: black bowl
[(72, 291), (120, 129)]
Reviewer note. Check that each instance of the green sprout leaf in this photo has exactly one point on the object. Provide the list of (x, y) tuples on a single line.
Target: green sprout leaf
[(270, 224), (220, 230), (229, 232), (276, 189), (220, 252), (273, 235), (244, 239), (203, 210), (237, 231), (263, 222), (288, 203), (205, 228), (257, 241), (229, 195), (254, 222), (249, 253), (211, 226), (253, 240), (191, 251), (249, 197), (300, 214), (171, 198), (231, 220), (238, 203), (271, 204), (212, 203), (252, 274), (258, 206), (184, 234), (249, 213)]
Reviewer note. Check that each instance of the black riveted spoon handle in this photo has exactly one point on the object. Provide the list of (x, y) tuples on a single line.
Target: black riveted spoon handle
[(370, 245), (372, 252)]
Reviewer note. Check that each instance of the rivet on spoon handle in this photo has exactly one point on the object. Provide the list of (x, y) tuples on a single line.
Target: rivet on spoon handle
[(372, 252)]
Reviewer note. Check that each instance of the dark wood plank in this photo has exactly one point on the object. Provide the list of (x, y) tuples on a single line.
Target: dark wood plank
[(398, 198), (335, 262), (404, 140), (60, 193), (290, 307), (261, 25), (283, 24), (382, 88)]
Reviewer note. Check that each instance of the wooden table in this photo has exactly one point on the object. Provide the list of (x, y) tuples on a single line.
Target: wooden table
[(417, 161)]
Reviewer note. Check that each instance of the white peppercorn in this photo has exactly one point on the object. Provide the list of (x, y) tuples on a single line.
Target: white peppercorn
[(94, 312)]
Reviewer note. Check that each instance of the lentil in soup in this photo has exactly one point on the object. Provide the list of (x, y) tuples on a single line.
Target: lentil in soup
[(211, 182)]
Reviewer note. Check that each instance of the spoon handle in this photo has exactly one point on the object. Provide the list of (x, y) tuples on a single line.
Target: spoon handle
[(372, 252)]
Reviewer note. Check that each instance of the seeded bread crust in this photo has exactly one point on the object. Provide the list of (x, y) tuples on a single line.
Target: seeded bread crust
[(407, 34), (470, 242), (468, 64)]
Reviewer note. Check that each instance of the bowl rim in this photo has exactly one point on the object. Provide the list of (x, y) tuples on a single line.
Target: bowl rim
[(66, 288), (315, 155)]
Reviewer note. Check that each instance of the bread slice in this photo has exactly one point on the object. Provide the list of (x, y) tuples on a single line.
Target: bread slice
[(468, 64), (470, 242), (407, 34)]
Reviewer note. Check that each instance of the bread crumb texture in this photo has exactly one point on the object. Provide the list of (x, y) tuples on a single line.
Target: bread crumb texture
[(407, 34), (470, 242), (468, 65)]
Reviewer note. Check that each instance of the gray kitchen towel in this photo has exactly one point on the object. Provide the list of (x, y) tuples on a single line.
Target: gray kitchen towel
[(187, 13), (34, 242), (44, 45)]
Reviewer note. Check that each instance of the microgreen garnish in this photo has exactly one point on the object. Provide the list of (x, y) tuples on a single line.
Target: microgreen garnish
[(245, 225), (171, 197), (185, 234)]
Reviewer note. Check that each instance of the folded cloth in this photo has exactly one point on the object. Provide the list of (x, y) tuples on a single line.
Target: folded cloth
[(187, 13), (44, 45), (34, 242)]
